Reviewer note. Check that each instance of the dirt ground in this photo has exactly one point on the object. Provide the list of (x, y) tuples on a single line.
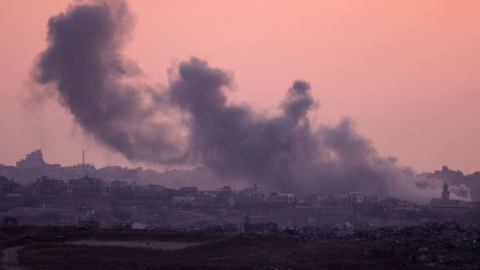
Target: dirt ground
[(196, 250), (134, 244), (237, 252)]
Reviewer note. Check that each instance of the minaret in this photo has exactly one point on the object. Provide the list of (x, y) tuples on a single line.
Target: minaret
[(445, 193)]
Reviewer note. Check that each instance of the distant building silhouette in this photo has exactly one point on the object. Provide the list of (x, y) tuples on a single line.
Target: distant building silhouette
[(33, 160), (445, 193), (10, 222)]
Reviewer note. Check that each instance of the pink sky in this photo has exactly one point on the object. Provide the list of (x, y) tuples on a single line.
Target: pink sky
[(406, 71)]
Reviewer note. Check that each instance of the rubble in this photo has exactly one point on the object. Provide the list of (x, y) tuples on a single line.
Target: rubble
[(264, 267), (449, 245), (432, 245)]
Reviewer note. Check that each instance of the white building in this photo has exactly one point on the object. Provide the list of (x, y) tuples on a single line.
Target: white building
[(356, 197), (279, 197), (251, 192)]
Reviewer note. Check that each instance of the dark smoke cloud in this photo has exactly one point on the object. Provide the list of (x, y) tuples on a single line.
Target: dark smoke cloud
[(284, 152), (83, 61), (233, 140)]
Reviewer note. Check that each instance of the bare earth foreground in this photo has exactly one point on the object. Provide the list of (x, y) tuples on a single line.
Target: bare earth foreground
[(134, 244), (410, 248)]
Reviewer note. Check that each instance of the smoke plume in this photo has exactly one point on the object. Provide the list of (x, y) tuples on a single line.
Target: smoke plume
[(83, 62)]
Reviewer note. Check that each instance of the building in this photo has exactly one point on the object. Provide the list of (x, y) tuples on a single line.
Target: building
[(261, 228), (46, 186), (188, 190), (7, 185), (279, 197), (207, 198), (250, 195), (117, 186), (309, 198), (356, 197), (120, 183), (10, 172), (457, 178), (251, 192), (106, 188), (181, 199), (405, 205), (85, 186), (389, 204), (353, 197), (445, 174), (445, 204), (147, 191), (373, 200), (31, 161), (445, 193), (472, 182), (226, 191), (336, 207), (10, 222)]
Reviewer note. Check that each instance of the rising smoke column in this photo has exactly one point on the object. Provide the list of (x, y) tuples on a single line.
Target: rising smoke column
[(233, 140), (283, 152), (83, 62)]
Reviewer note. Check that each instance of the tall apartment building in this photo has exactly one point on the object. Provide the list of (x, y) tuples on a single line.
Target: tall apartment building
[(32, 160)]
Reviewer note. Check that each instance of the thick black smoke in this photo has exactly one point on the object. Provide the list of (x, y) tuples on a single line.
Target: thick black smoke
[(84, 63)]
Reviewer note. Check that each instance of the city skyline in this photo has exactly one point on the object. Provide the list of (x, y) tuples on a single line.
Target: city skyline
[(464, 186)]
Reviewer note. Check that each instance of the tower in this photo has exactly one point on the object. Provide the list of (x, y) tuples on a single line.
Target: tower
[(445, 193), (83, 157)]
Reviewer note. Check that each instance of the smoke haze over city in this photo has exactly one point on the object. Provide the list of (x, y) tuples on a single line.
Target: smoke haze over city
[(405, 72), (84, 63), (164, 125), (239, 134)]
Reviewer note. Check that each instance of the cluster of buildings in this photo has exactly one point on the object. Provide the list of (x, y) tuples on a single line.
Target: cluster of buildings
[(9, 186), (447, 205), (457, 178), (85, 180), (33, 166), (91, 186), (342, 203)]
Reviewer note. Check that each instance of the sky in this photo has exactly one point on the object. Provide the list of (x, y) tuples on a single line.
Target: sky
[(405, 71)]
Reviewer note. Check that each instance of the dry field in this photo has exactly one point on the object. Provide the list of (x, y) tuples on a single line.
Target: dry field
[(127, 249)]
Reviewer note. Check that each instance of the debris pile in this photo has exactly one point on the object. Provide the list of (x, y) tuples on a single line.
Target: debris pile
[(433, 244), (275, 267), (300, 235)]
